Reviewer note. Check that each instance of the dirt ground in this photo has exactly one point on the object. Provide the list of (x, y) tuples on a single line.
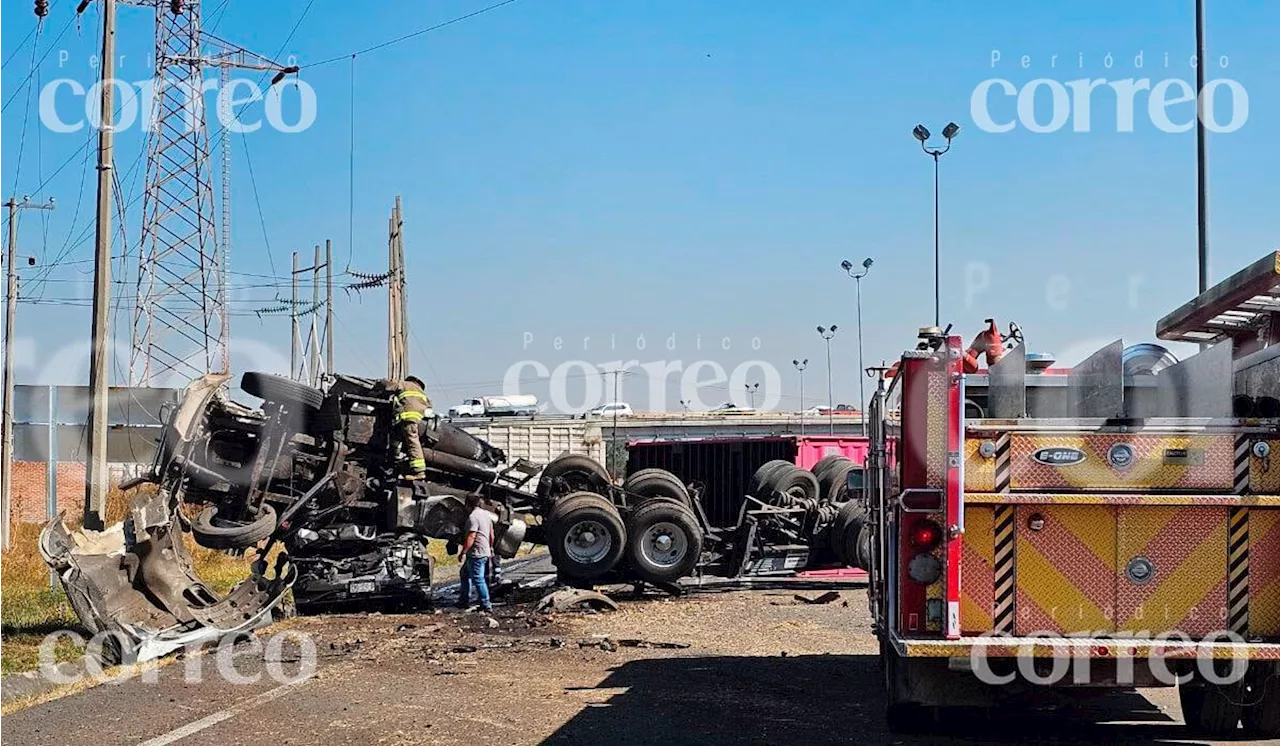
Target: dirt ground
[(728, 667)]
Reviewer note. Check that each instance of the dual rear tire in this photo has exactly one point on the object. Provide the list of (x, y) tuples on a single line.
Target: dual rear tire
[(660, 541)]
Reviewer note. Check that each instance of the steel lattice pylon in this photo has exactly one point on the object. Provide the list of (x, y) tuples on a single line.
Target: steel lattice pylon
[(180, 326)]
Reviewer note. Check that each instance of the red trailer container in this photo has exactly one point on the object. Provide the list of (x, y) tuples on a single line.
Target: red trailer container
[(724, 466)]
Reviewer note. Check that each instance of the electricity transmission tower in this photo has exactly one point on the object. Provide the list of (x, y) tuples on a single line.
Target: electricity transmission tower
[(181, 327)]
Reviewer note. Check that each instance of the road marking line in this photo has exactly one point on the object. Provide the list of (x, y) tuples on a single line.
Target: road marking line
[(217, 717)]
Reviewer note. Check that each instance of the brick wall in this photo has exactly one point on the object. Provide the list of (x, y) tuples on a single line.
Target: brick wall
[(29, 495)]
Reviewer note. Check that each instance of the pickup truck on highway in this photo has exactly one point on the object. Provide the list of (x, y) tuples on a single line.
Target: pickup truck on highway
[(496, 406)]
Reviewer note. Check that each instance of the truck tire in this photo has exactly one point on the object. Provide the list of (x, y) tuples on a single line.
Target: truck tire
[(664, 541), (756, 485), (575, 473), (847, 540), (1220, 713), (1191, 697), (658, 483), (1263, 718), (832, 480), (794, 481), (215, 533), (585, 535), (281, 390), (901, 715), (826, 462)]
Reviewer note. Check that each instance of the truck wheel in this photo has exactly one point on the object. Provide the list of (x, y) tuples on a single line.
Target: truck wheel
[(901, 715), (793, 481), (846, 535), (833, 482), (281, 390), (664, 541), (758, 480), (1191, 697), (586, 536), (1220, 713), (1263, 718), (651, 483), (826, 463), (572, 473), (214, 532)]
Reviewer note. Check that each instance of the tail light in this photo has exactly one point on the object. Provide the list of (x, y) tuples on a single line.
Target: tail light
[(925, 536)]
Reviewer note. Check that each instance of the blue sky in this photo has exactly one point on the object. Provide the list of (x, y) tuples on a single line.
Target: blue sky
[(621, 169)]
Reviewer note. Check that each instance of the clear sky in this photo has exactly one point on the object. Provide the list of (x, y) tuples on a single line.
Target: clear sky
[(681, 170)]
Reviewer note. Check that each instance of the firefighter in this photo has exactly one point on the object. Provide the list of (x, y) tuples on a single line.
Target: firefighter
[(412, 406)]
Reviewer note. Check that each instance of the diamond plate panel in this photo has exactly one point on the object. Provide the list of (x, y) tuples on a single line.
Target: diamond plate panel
[(977, 578), (1196, 462), (1264, 572), (979, 471), (1186, 548), (1066, 569)]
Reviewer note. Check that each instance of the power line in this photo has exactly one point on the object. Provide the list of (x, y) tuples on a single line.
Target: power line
[(18, 48), (262, 220), (411, 35), (52, 46)]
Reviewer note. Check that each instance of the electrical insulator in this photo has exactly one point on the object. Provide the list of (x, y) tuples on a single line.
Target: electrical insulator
[(42, 8), (175, 7)]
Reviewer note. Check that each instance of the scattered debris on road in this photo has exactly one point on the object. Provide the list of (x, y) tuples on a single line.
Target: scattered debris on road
[(572, 599), (825, 598)]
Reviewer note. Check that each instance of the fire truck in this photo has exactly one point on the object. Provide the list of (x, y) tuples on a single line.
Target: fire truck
[(1113, 525)]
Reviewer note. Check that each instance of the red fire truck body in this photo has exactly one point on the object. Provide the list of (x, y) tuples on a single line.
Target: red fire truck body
[(1129, 538)]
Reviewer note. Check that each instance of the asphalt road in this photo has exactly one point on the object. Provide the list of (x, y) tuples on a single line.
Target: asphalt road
[(728, 667)]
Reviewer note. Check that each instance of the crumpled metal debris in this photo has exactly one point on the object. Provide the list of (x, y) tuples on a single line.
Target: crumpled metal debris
[(134, 581), (569, 599)]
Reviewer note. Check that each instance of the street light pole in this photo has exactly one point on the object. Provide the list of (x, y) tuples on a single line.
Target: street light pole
[(1202, 177), (847, 266), (827, 334), (800, 366), (921, 133), (751, 393)]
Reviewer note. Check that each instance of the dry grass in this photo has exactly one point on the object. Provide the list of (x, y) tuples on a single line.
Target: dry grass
[(30, 609)]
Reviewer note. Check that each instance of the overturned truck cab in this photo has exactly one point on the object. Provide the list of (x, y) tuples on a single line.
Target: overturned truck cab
[(309, 481)]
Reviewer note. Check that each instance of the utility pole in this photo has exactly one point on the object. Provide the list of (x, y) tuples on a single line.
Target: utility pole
[(293, 316), (95, 493), (393, 305), (401, 293), (11, 305), (328, 306), (397, 302), (313, 343)]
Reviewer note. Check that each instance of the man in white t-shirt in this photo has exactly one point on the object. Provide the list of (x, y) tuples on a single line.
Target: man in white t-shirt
[(477, 548)]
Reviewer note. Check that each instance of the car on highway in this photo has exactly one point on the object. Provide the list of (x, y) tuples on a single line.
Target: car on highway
[(838, 410), (612, 409), (731, 408)]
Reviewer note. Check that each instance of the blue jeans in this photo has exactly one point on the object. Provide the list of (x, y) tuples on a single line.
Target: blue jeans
[(473, 571)]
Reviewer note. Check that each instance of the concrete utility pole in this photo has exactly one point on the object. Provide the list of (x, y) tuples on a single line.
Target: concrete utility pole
[(293, 317), (95, 493), (397, 303), (328, 306), (402, 294), (393, 305), (313, 343), (11, 305)]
